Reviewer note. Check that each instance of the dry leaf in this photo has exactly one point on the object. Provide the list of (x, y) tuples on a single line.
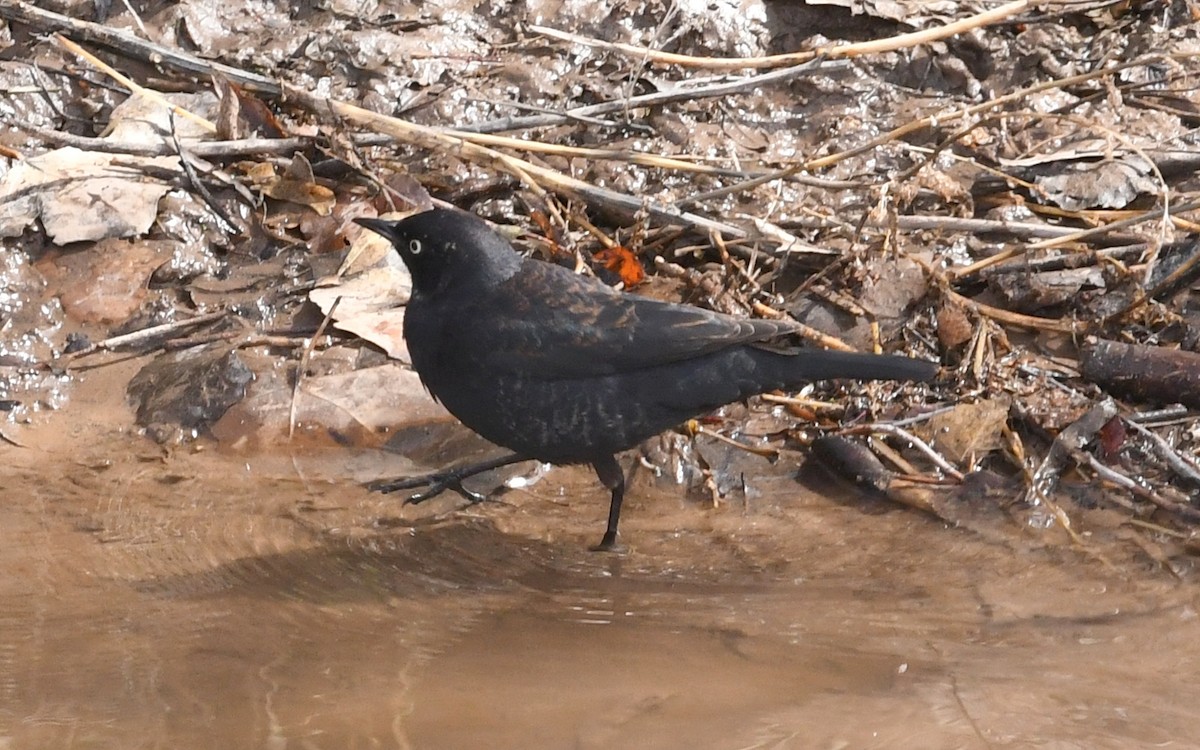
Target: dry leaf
[(621, 261)]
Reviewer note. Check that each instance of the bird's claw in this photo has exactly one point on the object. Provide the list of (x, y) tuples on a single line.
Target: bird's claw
[(434, 484)]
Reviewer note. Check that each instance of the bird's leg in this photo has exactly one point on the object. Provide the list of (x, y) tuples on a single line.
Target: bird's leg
[(446, 479), (611, 476)]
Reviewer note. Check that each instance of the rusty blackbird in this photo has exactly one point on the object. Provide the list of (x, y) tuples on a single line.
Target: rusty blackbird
[(560, 368)]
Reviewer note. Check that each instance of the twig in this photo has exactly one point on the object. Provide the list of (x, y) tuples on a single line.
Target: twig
[(132, 46), (803, 403), (801, 329), (137, 20), (772, 61), (764, 451), (1085, 234), (1109, 474), (1167, 415), (229, 225), (112, 73), (903, 434), (1019, 229), (533, 175), (791, 174), (566, 115), (1020, 320), (137, 337), (303, 365), (881, 447), (1004, 316), (693, 92), (433, 138), (202, 149), (1179, 463), (1066, 262), (648, 160), (953, 116)]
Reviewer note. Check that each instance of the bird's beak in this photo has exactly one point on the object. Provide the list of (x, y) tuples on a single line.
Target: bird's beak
[(382, 227)]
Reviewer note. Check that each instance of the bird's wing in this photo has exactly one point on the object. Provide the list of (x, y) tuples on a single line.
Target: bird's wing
[(559, 324)]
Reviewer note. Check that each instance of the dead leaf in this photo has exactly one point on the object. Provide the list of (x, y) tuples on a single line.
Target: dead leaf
[(969, 431), (317, 197), (370, 249), (953, 326), (83, 195), (1088, 176), (373, 285), (621, 261)]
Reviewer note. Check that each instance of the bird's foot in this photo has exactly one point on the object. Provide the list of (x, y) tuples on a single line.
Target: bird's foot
[(446, 479), (608, 544), (434, 484)]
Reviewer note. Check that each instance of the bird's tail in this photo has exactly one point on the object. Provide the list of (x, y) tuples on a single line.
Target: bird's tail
[(824, 364)]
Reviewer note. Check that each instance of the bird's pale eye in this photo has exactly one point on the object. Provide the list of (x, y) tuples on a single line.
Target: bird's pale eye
[(414, 247)]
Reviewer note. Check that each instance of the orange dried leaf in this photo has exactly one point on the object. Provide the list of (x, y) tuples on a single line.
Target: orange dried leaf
[(621, 261)]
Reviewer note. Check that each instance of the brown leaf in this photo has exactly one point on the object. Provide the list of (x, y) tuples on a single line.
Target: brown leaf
[(969, 430), (317, 197), (953, 326)]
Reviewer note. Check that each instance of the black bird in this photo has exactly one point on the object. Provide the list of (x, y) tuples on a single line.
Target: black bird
[(560, 368)]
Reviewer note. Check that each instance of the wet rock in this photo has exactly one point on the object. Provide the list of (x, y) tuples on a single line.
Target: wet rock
[(177, 395)]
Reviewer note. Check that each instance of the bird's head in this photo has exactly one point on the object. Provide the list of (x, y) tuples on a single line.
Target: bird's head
[(444, 246)]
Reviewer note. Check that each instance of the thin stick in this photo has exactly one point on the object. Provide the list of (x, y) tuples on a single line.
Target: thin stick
[(1075, 235), (303, 365), (803, 403), (117, 76), (774, 61), (128, 44), (764, 451), (947, 117), (659, 98), (1110, 474), (995, 313), (136, 337), (202, 149), (438, 140), (918, 443), (1179, 463), (523, 170)]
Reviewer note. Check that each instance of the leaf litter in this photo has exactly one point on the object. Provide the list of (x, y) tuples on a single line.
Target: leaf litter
[(1008, 190)]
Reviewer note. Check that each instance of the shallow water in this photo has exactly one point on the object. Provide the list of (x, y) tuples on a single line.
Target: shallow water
[(203, 599)]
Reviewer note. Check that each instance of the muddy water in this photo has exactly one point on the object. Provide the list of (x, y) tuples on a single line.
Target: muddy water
[(203, 599)]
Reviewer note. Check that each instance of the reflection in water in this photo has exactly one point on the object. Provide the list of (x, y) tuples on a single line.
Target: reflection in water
[(181, 605)]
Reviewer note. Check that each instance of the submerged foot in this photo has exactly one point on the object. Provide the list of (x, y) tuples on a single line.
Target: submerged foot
[(608, 544), (434, 484), (446, 479)]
